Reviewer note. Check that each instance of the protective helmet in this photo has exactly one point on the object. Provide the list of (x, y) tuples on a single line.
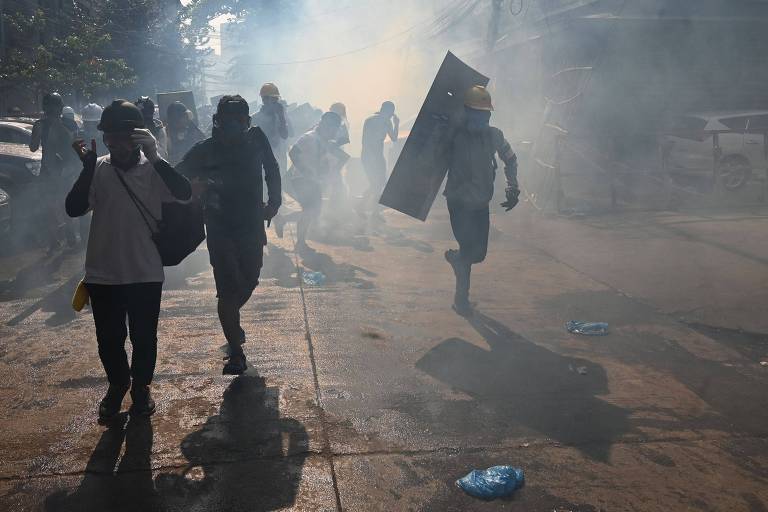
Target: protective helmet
[(339, 108), (52, 101), (232, 104), (176, 110), (68, 112), (92, 112), (331, 119), (478, 98), (145, 103), (269, 90), (121, 116)]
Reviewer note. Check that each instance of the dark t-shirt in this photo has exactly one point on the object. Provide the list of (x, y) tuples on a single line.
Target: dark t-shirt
[(234, 198)]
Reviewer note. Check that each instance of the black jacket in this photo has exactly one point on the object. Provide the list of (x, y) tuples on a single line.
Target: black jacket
[(234, 200)]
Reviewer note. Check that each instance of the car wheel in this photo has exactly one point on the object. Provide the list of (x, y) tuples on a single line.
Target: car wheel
[(735, 172)]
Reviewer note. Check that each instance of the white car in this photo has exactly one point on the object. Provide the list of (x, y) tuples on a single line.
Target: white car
[(15, 132), (689, 146)]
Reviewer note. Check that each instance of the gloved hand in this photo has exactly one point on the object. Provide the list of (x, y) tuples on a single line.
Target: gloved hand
[(512, 194), (269, 212), (148, 143), (87, 156)]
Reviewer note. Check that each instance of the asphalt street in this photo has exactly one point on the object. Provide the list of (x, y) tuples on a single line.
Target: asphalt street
[(369, 393)]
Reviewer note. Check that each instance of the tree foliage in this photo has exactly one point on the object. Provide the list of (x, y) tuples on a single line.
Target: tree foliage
[(79, 60)]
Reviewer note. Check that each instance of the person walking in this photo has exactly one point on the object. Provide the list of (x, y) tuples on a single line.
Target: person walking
[(228, 172), (123, 270)]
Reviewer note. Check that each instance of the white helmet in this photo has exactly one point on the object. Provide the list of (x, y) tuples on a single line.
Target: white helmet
[(92, 112), (68, 112)]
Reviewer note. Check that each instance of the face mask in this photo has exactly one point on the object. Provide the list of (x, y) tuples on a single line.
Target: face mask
[(232, 128), (477, 119)]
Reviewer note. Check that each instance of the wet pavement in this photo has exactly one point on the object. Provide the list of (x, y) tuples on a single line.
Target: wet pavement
[(369, 393)]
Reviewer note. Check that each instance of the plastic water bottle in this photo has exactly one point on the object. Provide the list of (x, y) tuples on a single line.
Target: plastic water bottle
[(587, 328), (313, 278), (493, 482)]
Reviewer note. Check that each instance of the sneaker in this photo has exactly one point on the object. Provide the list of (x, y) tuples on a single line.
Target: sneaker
[(465, 309), (143, 404), (235, 365), (112, 402)]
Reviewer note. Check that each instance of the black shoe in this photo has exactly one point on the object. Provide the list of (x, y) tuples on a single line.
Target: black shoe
[(465, 309), (112, 401), (235, 365), (143, 404)]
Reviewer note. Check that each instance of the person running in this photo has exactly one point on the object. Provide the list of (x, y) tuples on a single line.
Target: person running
[(313, 159), (228, 171), (123, 270), (472, 166)]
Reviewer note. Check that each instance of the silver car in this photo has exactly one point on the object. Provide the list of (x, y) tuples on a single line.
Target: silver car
[(689, 145), (15, 132)]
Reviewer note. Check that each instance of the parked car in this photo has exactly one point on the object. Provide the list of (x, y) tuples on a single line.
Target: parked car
[(5, 212), (689, 147), (19, 172), (15, 132)]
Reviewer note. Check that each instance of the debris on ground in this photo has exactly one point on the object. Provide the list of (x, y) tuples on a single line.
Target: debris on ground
[(581, 370), (587, 328), (763, 363), (313, 278), (494, 482)]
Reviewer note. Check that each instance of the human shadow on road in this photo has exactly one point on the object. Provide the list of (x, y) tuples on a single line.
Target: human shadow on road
[(58, 302), (246, 458), (127, 488), (36, 274), (336, 272), (519, 383)]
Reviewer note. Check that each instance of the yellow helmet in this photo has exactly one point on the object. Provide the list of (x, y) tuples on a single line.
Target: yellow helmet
[(269, 90), (478, 98)]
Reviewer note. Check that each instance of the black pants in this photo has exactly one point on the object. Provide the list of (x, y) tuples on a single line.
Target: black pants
[(110, 304), (470, 227), (236, 262)]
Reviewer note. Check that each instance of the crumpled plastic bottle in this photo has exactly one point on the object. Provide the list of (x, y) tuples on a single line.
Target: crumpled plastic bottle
[(313, 278), (493, 482), (587, 328)]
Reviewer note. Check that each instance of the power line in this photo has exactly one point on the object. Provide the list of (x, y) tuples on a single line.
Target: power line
[(356, 50)]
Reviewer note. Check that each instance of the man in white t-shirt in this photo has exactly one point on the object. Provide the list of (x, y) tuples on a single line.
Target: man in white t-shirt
[(123, 270)]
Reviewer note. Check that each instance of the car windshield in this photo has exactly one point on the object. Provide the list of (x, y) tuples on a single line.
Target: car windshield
[(688, 127)]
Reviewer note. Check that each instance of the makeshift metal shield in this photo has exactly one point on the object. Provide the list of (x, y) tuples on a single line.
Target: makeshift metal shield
[(422, 166)]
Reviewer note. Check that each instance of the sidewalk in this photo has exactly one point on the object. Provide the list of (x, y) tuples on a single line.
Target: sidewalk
[(369, 393)]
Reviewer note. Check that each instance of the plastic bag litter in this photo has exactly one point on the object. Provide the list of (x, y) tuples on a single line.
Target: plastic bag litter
[(493, 482), (587, 328), (313, 278)]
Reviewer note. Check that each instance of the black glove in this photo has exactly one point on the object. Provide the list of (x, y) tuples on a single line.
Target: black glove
[(512, 194)]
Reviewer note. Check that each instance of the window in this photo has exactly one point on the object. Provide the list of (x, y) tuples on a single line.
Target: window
[(737, 124)]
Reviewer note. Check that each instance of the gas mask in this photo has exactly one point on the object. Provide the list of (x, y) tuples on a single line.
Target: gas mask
[(477, 119)]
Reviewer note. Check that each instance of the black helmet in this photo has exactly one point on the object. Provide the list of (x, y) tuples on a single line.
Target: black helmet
[(176, 110), (145, 103), (232, 104), (52, 101), (121, 116)]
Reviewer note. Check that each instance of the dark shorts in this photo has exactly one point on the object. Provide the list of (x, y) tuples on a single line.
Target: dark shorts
[(470, 227), (236, 262)]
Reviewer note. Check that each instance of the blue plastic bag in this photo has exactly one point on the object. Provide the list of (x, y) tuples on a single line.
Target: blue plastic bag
[(493, 482), (313, 278), (587, 328)]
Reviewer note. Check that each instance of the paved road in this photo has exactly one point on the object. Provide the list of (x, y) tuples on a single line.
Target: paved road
[(368, 393)]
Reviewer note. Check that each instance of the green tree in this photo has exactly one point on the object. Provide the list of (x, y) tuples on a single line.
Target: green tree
[(78, 61)]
